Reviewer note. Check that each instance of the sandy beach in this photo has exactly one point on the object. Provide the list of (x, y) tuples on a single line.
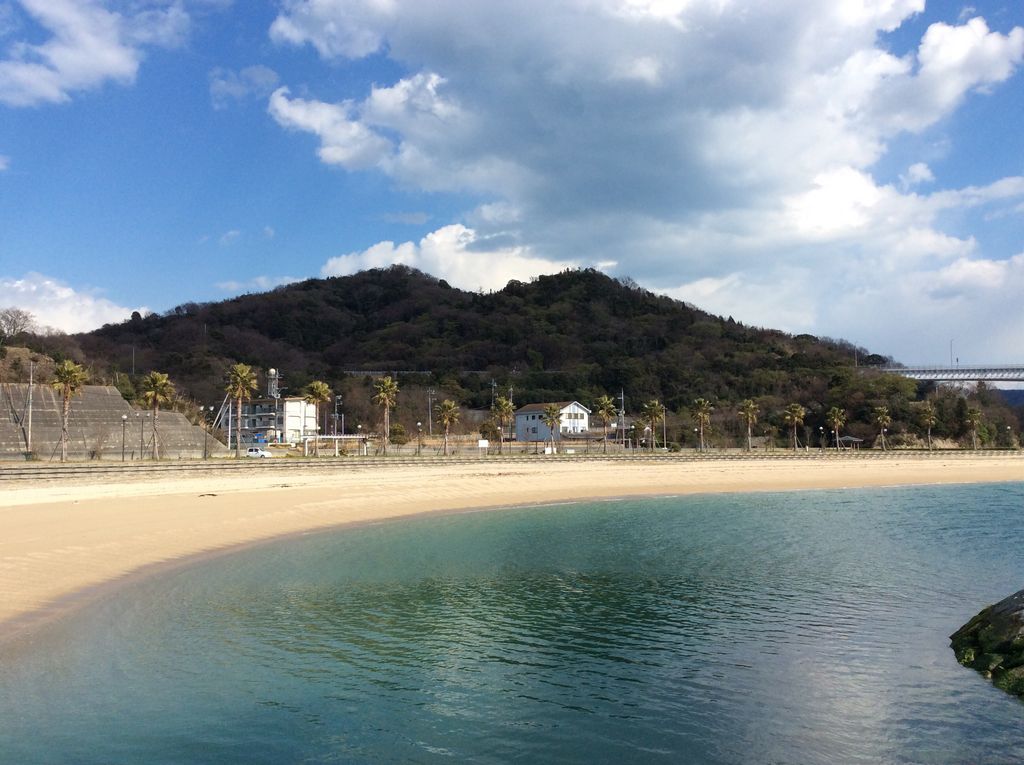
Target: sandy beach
[(62, 539)]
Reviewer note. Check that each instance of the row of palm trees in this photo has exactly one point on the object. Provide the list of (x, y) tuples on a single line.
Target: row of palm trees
[(70, 378), (158, 390), (653, 412)]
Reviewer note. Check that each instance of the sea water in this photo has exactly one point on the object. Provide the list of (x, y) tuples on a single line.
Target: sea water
[(770, 628)]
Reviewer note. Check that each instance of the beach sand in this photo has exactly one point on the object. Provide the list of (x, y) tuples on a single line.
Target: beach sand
[(63, 539)]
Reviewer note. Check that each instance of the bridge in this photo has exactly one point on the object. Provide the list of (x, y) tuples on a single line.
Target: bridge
[(981, 373)]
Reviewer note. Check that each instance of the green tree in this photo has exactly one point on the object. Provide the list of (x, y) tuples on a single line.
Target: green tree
[(883, 420), (836, 418), (605, 411), (489, 430), (385, 398), (316, 393), (748, 411), (701, 412), (68, 379), (928, 417), (157, 389), (652, 413), (240, 387), (503, 412), (447, 414), (552, 418), (972, 420), (793, 415)]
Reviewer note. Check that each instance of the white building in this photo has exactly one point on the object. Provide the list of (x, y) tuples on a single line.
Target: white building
[(274, 420), (574, 421)]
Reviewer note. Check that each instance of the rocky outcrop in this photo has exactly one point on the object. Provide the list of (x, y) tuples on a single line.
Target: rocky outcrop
[(993, 643)]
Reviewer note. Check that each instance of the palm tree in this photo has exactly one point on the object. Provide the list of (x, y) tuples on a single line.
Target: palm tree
[(504, 412), (241, 384), (604, 409), (157, 389), (701, 412), (748, 412), (68, 378), (793, 415), (316, 393), (835, 418), (387, 395), (883, 420), (653, 412), (928, 418), (447, 415), (552, 418), (973, 419)]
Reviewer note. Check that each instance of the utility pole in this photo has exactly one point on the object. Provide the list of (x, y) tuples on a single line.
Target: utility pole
[(622, 414), (430, 411), (28, 431)]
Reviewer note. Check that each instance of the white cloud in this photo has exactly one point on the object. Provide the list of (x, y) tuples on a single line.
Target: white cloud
[(268, 232), (916, 174), (343, 141), (5, 162), (726, 152), (256, 284), (229, 237), (227, 86), (353, 28), (454, 253), (58, 305), (88, 46)]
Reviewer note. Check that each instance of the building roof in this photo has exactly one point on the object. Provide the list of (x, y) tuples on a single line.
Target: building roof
[(531, 408)]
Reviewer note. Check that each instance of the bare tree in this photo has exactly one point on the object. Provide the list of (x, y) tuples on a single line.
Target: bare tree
[(15, 321)]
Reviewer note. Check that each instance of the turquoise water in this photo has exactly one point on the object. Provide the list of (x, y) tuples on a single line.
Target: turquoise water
[(783, 628)]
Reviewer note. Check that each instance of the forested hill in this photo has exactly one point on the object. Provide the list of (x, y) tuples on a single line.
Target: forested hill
[(574, 335)]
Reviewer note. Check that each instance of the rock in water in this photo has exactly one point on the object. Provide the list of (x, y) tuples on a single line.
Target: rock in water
[(993, 643)]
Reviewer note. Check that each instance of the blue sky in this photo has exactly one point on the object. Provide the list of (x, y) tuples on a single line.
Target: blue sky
[(850, 169)]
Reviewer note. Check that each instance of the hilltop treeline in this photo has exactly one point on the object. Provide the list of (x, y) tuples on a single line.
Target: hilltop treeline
[(574, 335)]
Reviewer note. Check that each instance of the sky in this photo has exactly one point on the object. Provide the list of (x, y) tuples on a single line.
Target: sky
[(851, 169)]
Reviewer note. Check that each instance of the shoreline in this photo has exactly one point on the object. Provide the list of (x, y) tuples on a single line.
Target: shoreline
[(69, 542)]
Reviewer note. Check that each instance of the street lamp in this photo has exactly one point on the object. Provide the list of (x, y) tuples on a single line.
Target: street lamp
[(419, 438), (337, 400), (359, 432), (124, 423), (697, 445)]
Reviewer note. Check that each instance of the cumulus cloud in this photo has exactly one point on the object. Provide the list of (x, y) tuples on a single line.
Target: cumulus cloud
[(58, 305), (88, 46), (916, 174), (454, 253), (228, 86), (5, 162), (680, 140)]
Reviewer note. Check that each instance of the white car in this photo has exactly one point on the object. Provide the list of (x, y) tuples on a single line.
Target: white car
[(256, 451)]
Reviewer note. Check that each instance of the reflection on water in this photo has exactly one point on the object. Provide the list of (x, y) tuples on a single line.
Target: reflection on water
[(768, 628)]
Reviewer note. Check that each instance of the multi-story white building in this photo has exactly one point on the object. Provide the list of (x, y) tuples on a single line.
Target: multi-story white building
[(274, 420), (574, 421)]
